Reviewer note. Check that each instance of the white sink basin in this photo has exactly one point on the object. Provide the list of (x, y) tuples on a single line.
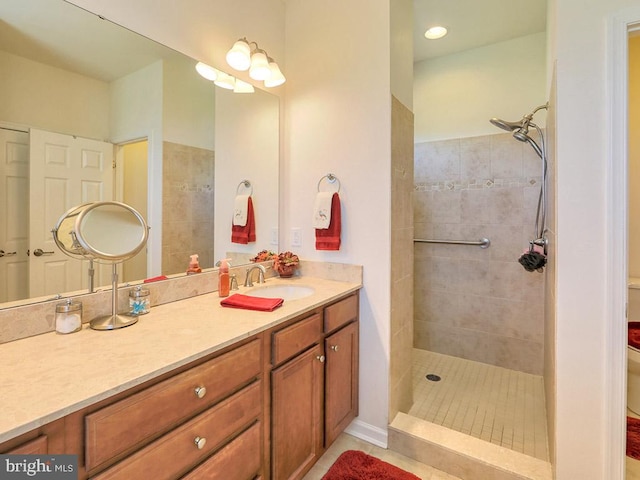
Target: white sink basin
[(287, 292)]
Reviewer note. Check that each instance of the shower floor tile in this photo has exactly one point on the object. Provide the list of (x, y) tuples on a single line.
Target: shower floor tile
[(501, 406)]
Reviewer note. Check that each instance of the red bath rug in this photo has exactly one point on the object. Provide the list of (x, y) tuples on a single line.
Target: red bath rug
[(356, 465), (633, 337), (633, 437)]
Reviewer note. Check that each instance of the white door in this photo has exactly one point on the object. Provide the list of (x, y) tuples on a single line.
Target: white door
[(65, 172), (14, 215)]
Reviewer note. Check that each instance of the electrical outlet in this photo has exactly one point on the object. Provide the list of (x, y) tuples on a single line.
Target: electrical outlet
[(296, 237), (274, 236)]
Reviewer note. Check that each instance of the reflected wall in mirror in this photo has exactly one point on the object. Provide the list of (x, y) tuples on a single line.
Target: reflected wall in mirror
[(70, 77)]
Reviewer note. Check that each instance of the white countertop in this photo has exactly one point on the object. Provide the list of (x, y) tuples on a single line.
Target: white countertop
[(48, 376)]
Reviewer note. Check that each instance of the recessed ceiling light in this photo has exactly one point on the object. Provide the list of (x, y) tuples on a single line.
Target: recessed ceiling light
[(435, 32)]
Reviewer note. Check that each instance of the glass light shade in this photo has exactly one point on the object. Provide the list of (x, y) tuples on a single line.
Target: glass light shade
[(239, 56), (259, 66), (243, 87), (225, 81), (207, 71), (435, 32), (276, 78)]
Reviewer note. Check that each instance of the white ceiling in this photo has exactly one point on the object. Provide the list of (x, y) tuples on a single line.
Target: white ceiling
[(31, 28), (473, 23)]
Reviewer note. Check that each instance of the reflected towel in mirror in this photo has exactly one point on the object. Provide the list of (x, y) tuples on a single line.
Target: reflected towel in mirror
[(245, 233)]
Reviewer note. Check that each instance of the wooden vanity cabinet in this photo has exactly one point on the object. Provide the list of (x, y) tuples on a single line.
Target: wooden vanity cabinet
[(44, 440), (314, 386)]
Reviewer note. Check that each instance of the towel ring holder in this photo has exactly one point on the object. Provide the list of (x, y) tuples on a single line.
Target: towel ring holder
[(331, 178), (245, 184)]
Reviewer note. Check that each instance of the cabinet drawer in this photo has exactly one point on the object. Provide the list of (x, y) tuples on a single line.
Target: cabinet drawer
[(175, 452), (295, 338), (37, 446), (240, 459), (340, 313), (122, 425)]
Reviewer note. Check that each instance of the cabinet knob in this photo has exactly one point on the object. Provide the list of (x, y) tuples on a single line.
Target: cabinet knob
[(200, 442), (321, 358), (334, 348), (201, 392)]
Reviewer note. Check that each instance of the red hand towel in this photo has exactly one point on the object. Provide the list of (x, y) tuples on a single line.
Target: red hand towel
[(247, 233), (248, 302), (329, 238)]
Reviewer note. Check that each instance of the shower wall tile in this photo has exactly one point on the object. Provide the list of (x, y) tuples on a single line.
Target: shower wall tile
[(187, 206), (475, 303), (402, 235)]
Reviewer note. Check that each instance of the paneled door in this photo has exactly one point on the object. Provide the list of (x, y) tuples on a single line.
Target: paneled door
[(65, 172), (14, 214)]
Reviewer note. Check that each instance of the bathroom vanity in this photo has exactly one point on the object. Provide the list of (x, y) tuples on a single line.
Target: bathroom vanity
[(194, 390)]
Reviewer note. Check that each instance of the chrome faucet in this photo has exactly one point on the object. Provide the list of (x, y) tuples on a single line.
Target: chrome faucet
[(261, 271)]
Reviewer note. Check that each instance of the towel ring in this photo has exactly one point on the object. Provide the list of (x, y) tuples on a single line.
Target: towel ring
[(245, 184), (331, 178)]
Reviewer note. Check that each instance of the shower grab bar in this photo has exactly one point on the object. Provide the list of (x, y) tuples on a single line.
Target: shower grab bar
[(482, 243)]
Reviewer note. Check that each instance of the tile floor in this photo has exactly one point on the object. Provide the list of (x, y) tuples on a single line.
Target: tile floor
[(348, 442), (504, 407)]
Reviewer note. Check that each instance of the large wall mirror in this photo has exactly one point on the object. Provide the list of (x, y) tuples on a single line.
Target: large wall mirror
[(90, 111)]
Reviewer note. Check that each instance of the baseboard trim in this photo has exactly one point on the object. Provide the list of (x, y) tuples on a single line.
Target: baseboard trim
[(369, 433)]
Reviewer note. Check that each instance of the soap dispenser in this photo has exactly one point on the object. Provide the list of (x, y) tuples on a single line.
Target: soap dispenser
[(223, 278), (194, 266)]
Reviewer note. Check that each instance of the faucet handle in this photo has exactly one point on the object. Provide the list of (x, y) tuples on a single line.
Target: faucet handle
[(233, 282)]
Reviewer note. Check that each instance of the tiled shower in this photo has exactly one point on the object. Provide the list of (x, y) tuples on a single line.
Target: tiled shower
[(473, 303)]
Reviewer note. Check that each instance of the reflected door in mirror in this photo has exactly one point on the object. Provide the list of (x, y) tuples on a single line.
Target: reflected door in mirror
[(64, 171)]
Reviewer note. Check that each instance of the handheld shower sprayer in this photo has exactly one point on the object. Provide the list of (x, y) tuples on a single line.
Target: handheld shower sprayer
[(535, 258)]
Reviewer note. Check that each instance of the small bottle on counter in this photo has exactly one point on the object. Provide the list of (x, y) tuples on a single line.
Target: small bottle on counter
[(223, 278), (68, 316), (139, 301)]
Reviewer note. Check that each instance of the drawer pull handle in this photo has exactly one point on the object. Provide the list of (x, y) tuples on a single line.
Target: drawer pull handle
[(321, 358), (200, 442), (334, 348), (201, 392)]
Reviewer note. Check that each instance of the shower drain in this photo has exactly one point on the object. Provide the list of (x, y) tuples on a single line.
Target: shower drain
[(432, 377)]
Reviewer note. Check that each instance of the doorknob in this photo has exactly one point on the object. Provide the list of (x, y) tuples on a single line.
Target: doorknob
[(6, 254), (38, 252)]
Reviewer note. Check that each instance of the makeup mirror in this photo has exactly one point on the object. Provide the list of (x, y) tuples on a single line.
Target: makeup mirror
[(105, 232)]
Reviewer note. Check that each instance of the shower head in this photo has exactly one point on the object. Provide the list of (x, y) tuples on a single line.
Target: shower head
[(504, 125)]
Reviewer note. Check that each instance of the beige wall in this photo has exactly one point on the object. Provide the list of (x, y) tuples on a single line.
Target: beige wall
[(475, 303), (634, 156), (508, 82), (39, 92)]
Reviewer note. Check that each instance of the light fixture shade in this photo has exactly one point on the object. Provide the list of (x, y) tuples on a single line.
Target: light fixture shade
[(207, 71), (225, 81), (239, 56), (276, 78), (243, 87), (259, 66), (435, 32)]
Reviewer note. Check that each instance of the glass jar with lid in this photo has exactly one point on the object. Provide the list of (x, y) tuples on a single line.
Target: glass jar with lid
[(68, 316), (139, 301)]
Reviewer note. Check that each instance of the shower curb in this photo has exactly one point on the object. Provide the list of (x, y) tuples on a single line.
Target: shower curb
[(460, 455)]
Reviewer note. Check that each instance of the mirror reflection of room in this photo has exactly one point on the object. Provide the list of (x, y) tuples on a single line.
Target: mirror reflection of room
[(71, 110)]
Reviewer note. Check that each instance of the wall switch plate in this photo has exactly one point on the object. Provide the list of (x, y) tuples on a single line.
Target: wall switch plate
[(296, 237), (274, 236)]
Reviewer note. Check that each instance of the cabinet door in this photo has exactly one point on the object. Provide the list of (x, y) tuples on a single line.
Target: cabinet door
[(341, 386), (297, 391)]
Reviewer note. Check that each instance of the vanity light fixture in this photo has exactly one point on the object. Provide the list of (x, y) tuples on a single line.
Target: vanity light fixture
[(245, 55), (225, 81), (207, 71), (242, 87), (435, 32)]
